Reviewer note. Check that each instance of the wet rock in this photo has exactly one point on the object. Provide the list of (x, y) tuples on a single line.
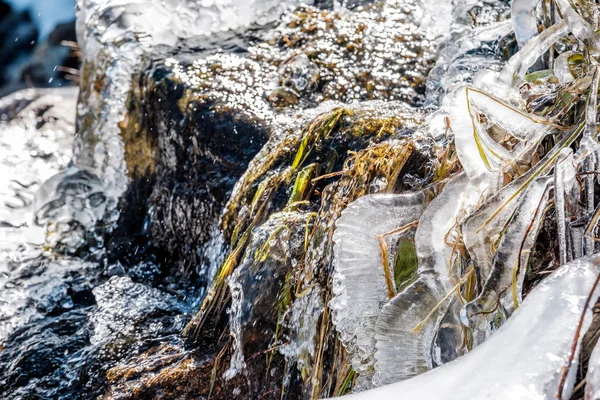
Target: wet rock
[(194, 121)]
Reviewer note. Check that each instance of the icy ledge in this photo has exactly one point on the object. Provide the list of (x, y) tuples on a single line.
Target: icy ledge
[(524, 358)]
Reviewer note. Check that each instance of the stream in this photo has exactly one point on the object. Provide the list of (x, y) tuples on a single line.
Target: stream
[(301, 199)]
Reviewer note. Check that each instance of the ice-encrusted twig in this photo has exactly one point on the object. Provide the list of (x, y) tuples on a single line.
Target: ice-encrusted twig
[(517, 66), (564, 181), (513, 252), (528, 352)]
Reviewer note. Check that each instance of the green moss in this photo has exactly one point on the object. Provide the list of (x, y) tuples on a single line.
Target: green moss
[(405, 264)]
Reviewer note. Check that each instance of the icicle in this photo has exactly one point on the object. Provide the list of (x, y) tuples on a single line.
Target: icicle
[(564, 182), (510, 261), (523, 360), (524, 20), (402, 350), (590, 143), (561, 67), (359, 282), (517, 66)]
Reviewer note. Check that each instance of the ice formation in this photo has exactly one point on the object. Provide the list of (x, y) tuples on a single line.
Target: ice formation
[(419, 328), (525, 357), (403, 352), (592, 387), (359, 280)]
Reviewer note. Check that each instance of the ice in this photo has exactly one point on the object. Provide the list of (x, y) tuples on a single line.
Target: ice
[(480, 232), (482, 157), (561, 67), (578, 26), (592, 386), (516, 68), (72, 201), (401, 352), (359, 282), (524, 20), (523, 360), (478, 164), (510, 263), (460, 60), (565, 194)]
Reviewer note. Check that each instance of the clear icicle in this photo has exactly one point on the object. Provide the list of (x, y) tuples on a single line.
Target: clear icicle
[(359, 283), (401, 352), (590, 144), (528, 352), (561, 67), (513, 252), (524, 20), (564, 184), (517, 66)]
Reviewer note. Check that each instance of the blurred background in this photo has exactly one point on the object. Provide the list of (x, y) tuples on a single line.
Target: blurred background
[(38, 46)]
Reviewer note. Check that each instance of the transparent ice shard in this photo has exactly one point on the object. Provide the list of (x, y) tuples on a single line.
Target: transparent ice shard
[(524, 20), (359, 282), (577, 25), (516, 68), (566, 196), (462, 56), (482, 157), (480, 233), (561, 67), (503, 286), (523, 360), (402, 350)]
